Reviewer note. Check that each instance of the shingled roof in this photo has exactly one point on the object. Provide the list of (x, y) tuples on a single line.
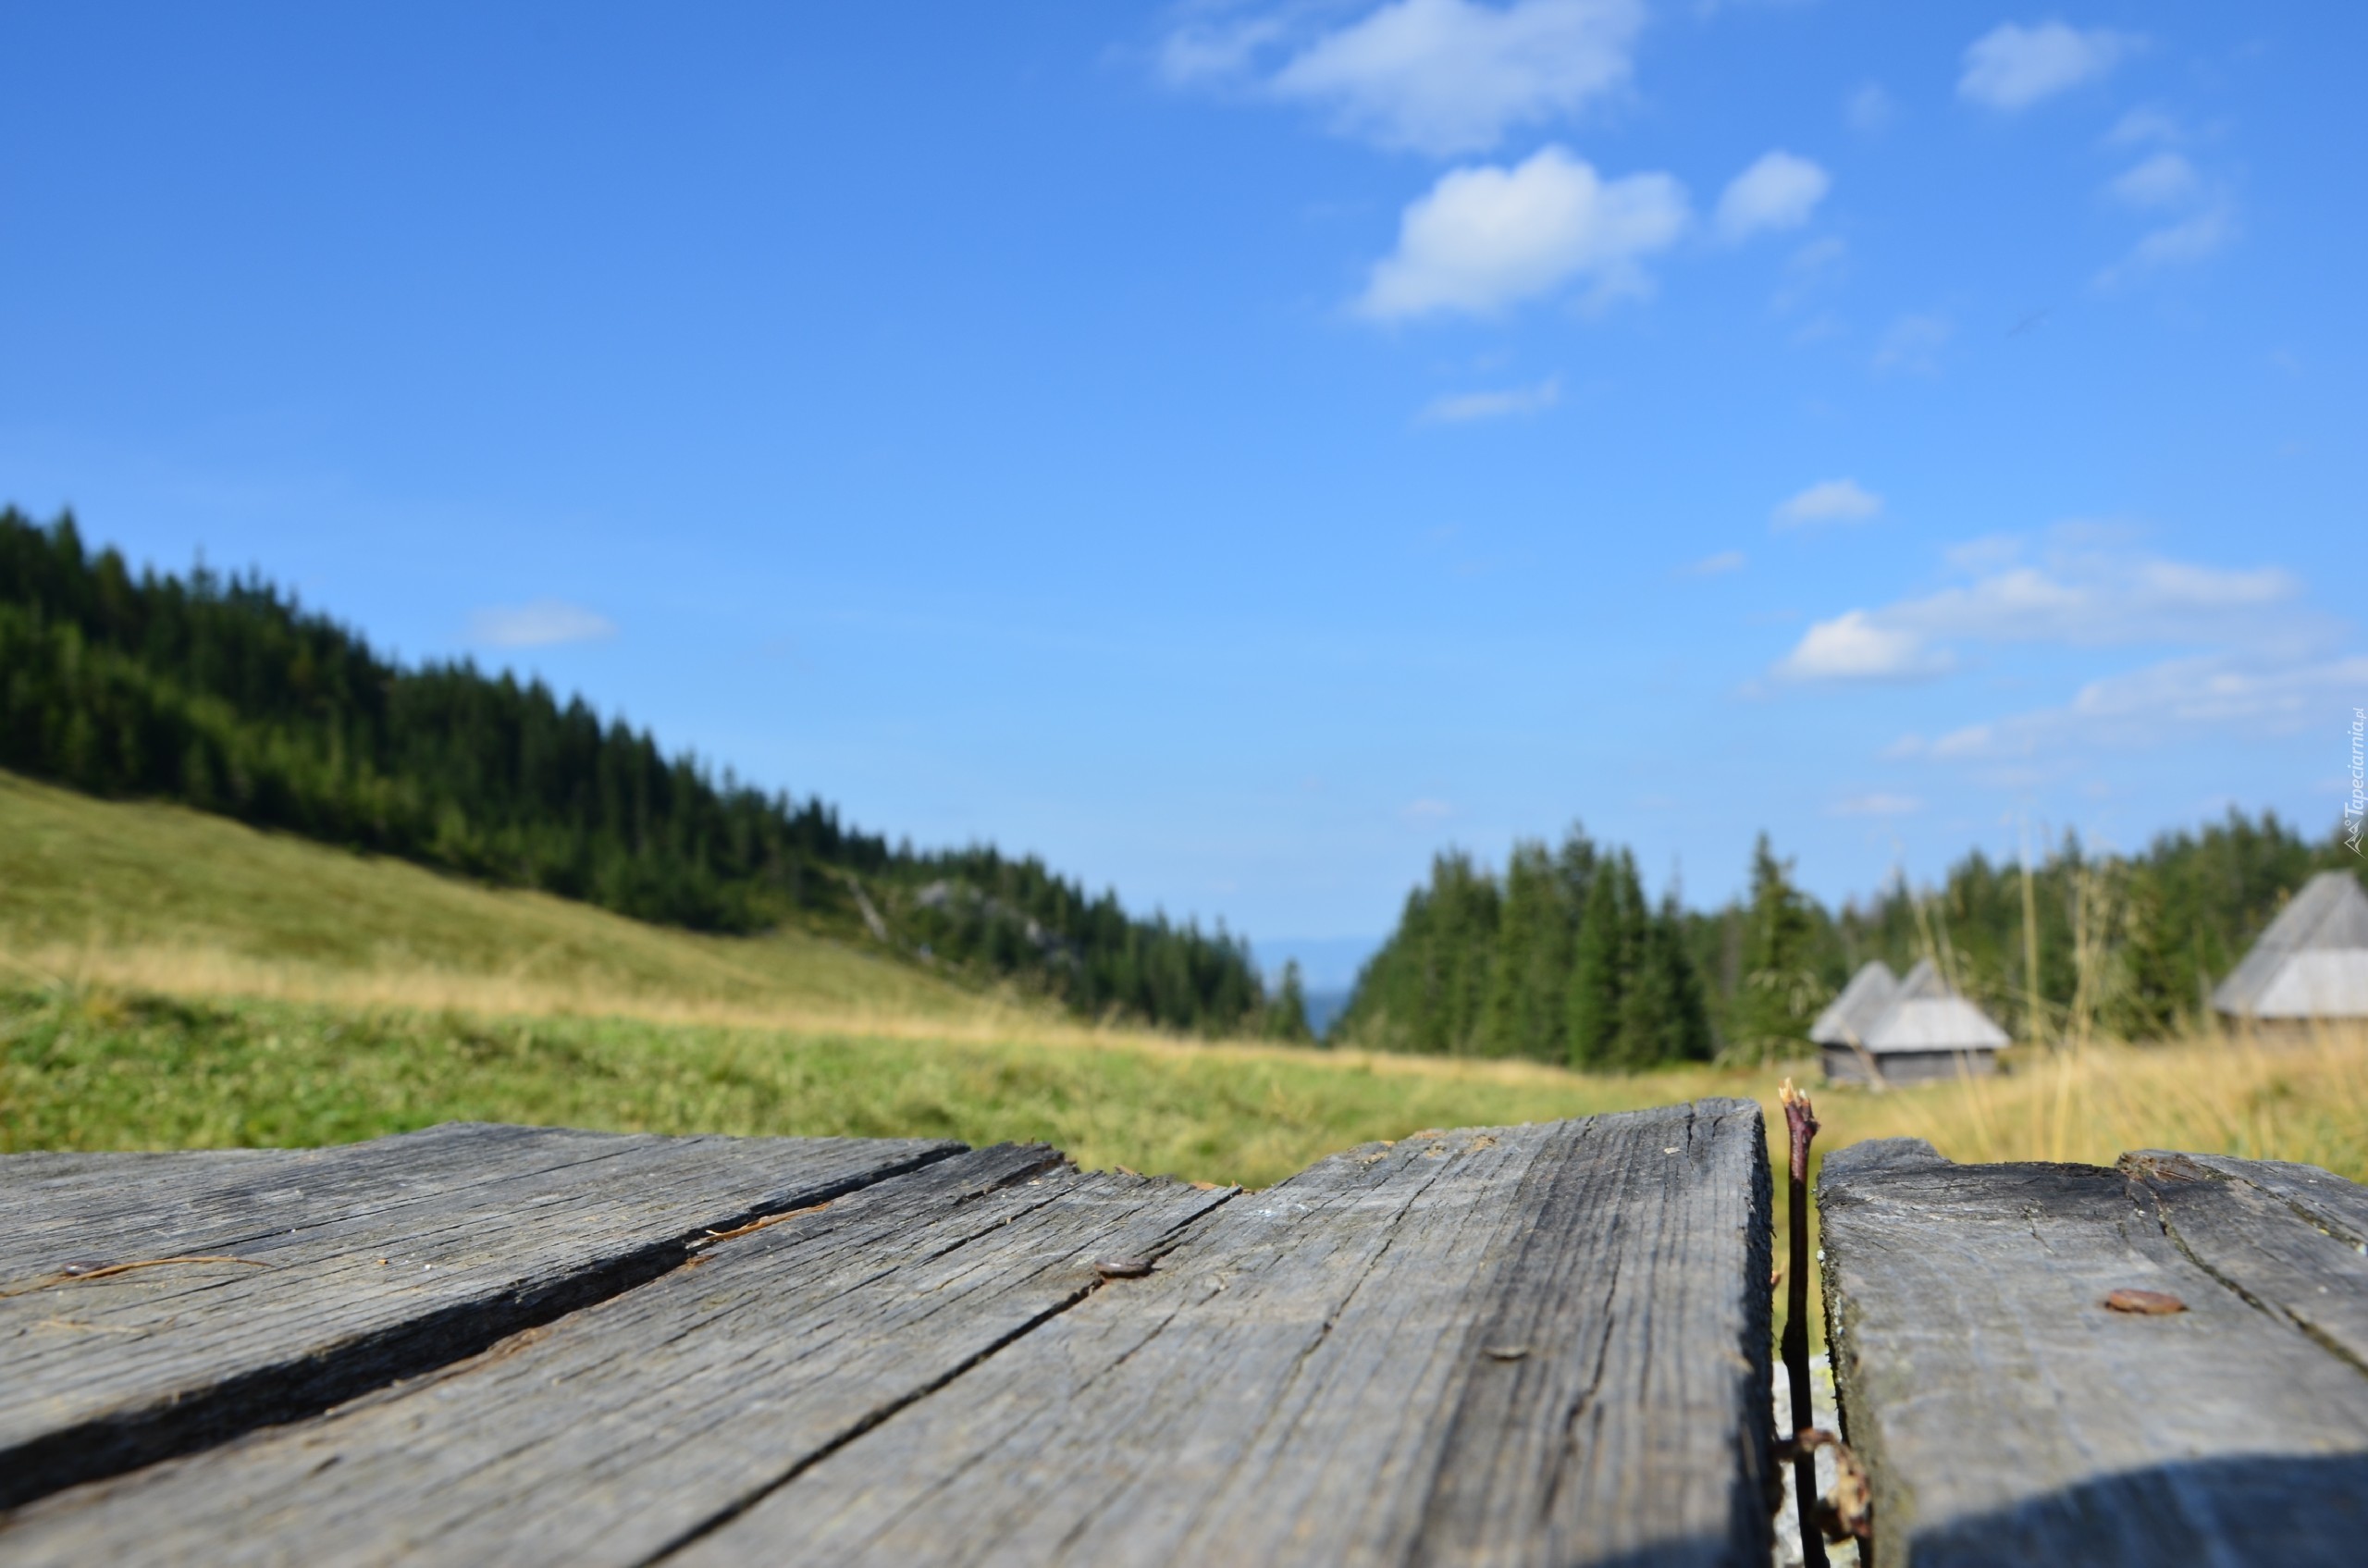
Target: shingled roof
[(2312, 962), (1877, 1014), (1925, 1015), (1849, 1016)]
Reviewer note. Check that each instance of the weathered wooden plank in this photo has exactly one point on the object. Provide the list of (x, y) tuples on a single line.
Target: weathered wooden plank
[(624, 1428), (360, 1265), (2005, 1414), (1538, 1344), (2326, 1199), (56, 1206), (2259, 1245)]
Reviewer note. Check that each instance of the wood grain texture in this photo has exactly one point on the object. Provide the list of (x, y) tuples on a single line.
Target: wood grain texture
[(2005, 1414), (2323, 1198), (2258, 1244), (367, 1263), (1526, 1345), (606, 1437)]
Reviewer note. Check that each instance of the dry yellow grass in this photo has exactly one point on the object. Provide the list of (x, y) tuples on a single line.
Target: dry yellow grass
[(2304, 1099)]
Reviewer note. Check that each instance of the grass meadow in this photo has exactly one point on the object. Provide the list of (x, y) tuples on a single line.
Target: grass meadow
[(169, 979)]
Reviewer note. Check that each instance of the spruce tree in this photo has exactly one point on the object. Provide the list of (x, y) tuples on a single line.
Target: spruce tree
[(1287, 1013), (1686, 1035), (1643, 1005), (1597, 968), (1529, 972), (1781, 984)]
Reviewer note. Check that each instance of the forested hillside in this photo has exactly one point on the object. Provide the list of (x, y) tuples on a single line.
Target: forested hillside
[(225, 694), (1561, 957)]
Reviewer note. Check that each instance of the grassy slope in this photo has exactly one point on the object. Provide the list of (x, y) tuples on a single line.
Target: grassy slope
[(173, 900)]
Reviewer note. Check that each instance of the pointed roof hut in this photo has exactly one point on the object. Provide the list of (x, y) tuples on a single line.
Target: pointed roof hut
[(2311, 963), (1851, 1017), (1909, 1031)]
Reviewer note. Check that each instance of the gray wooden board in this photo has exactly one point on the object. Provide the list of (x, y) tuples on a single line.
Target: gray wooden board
[(2324, 1199), (610, 1435), (2257, 1243), (1527, 1345), (2005, 1414), (369, 1262)]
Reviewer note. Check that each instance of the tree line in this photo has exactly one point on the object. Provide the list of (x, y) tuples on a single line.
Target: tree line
[(2065, 941), (1561, 957), (224, 693)]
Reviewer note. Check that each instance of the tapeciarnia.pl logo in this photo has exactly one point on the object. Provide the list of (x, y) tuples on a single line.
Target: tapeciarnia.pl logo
[(2355, 810)]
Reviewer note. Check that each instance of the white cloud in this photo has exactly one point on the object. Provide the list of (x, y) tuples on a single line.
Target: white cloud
[(1780, 191), (1486, 237), (1869, 109), (1462, 408), (540, 624), (2077, 595), (2154, 704), (1447, 76), (1913, 343), (1830, 501), (2140, 125), (2012, 67), (1426, 810), (2164, 181), (1812, 267), (1819, 257), (2102, 598), (1985, 554), (1877, 805), (1714, 565), (1203, 50), (2191, 239), (1854, 646)]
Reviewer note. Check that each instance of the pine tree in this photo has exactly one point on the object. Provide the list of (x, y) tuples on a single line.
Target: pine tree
[(1287, 1013), (1692, 1039), (1781, 984), (1665, 1018), (1530, 967), (1598, 969)]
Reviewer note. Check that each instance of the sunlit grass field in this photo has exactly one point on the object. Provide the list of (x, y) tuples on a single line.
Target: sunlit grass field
[(160, 898), (173, 981)]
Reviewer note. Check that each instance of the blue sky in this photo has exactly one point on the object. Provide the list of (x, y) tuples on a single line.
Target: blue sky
[(1234, 450)]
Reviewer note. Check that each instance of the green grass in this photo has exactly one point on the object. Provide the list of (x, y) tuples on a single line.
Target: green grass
[(164, 899), (82, 1068)]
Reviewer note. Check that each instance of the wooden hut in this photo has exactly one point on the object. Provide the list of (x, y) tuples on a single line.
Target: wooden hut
[(2311, 966), (1913, 1031), (1841, 1031)]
